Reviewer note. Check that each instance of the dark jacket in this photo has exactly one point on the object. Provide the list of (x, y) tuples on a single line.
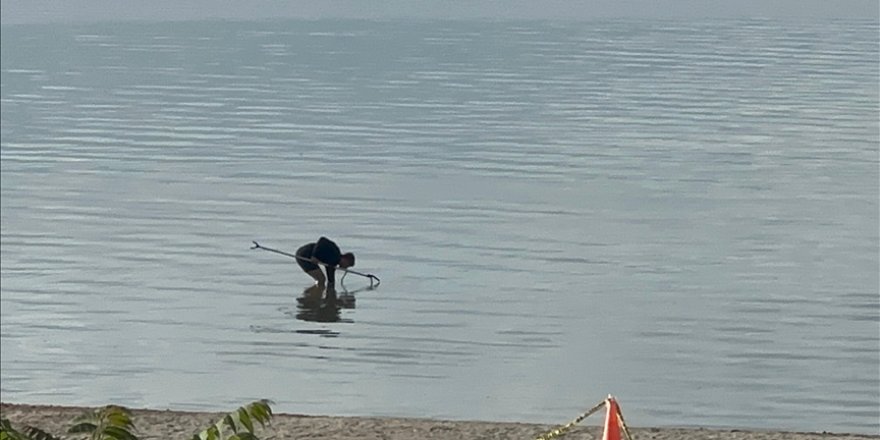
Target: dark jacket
[(327, 252)]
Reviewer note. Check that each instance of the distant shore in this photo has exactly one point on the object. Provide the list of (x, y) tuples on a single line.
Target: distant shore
[(167, 424)]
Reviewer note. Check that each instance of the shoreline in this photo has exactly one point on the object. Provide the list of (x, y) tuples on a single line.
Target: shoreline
[(164, 424)]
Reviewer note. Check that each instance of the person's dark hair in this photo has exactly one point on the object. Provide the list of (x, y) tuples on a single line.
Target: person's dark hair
[(349, 256)]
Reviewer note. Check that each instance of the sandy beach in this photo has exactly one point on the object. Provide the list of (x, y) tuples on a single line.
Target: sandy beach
[(159, 424)]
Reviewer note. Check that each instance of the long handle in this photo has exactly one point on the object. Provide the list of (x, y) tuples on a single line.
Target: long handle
[(257, 246), (369, 276)]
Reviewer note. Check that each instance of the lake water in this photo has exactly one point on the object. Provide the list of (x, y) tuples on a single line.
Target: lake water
[(680, 213)]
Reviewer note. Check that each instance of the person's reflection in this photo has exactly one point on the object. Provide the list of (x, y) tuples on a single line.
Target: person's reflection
[(318, 306)]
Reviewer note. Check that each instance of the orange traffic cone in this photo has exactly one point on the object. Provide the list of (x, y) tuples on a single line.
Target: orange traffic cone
[(612, 424)]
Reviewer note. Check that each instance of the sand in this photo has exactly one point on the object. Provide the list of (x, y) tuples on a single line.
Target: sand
[(157, 424)]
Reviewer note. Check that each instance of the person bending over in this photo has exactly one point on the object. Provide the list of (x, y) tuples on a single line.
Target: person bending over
[(326, 252)]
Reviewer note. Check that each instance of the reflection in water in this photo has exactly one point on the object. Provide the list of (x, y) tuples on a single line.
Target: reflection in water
[(318, 306)]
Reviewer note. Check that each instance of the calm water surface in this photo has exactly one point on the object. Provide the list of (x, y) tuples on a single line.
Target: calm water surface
[(683, 214)]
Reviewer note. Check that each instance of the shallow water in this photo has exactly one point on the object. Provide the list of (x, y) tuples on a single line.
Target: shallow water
[(683, 214)]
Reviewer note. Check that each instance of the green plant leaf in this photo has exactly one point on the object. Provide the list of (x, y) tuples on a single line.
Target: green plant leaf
[(212, 433), (119, 419), (111, 422), (245, 420), (239, 420), (261, 411), (82, 427), (88, 416), (118, 433), (7, 432), (38, 434), (12, 435), (230, 422)]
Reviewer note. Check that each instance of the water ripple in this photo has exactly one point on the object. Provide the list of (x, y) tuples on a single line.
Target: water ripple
[(690, 204)]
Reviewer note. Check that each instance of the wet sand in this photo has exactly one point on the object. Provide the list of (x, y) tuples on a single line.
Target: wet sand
[(158, 424)]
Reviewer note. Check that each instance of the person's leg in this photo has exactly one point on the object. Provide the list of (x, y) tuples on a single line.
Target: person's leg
[(303, 255), (318, 275)]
